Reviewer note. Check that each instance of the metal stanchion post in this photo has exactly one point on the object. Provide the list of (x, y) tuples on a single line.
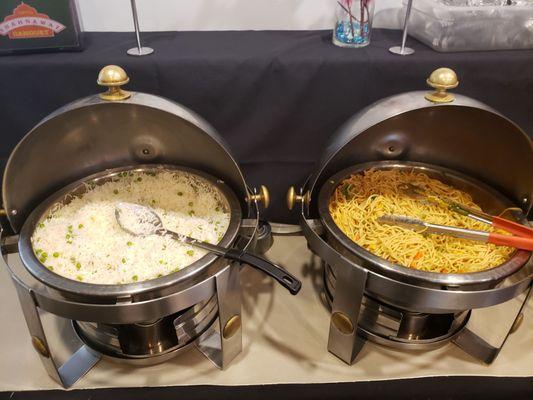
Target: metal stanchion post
[(402, 50), (139, 50)]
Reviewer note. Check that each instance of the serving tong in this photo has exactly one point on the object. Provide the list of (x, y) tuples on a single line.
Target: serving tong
[(522, 237), (417, 225)]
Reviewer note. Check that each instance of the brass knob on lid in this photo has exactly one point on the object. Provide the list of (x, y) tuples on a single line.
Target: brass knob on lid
[(293, 198), (441, 80), (113, 77), (263, 196)]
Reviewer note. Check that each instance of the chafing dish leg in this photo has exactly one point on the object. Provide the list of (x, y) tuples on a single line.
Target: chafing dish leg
[(343, 340), (222, 345), (480, 344), (75, 367), (350, 286)]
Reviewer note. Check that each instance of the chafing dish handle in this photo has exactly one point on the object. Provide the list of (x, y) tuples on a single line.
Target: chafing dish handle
[(290, 282)]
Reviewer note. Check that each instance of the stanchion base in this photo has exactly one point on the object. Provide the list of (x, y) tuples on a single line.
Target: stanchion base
[(398, 50), (134, 51)]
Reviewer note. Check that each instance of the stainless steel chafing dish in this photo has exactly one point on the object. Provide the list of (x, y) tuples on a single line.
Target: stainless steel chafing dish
[(91, 141), (460, 141)]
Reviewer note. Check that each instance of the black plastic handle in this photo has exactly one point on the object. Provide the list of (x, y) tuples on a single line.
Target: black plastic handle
[(291, 283)]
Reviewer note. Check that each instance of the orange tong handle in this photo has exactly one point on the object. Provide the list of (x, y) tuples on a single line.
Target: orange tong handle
[(511, 241), (512, 227)]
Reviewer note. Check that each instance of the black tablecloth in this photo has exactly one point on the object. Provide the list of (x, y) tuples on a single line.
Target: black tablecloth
[(431, 388), (275, 96)]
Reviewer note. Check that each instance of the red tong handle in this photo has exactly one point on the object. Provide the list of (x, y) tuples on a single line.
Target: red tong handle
[(518, 242), (512, 227)]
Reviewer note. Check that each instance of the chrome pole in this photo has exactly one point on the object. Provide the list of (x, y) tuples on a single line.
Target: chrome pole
[(139, 50), (402, 50)]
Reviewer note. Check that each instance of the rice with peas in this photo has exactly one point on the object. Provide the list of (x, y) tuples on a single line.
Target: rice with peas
[(83, 241)]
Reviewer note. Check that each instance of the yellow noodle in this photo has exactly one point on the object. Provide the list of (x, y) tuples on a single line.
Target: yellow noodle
[(360, 199)]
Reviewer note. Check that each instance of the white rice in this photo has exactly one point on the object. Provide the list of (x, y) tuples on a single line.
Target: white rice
[(83, 241)]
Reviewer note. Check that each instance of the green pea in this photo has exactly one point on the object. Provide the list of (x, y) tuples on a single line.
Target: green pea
[(80, 278), (190, 253), (180, 193), (123, 261), (50, 268), (78, 266), (80, 226), (191, 203), (55, 254), (115, 191), (135, 278), (130, 244)]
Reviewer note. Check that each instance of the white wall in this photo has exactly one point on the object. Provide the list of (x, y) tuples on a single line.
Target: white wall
[(183, 15)]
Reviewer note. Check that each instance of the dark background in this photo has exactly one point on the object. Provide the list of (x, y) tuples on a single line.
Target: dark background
[(432, 388), (274, 96)]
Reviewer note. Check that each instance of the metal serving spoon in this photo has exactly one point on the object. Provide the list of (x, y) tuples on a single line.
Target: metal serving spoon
[(140, 220)]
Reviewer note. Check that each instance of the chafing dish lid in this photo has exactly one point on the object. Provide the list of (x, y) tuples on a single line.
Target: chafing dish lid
[(116, 128), (462, 134)]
